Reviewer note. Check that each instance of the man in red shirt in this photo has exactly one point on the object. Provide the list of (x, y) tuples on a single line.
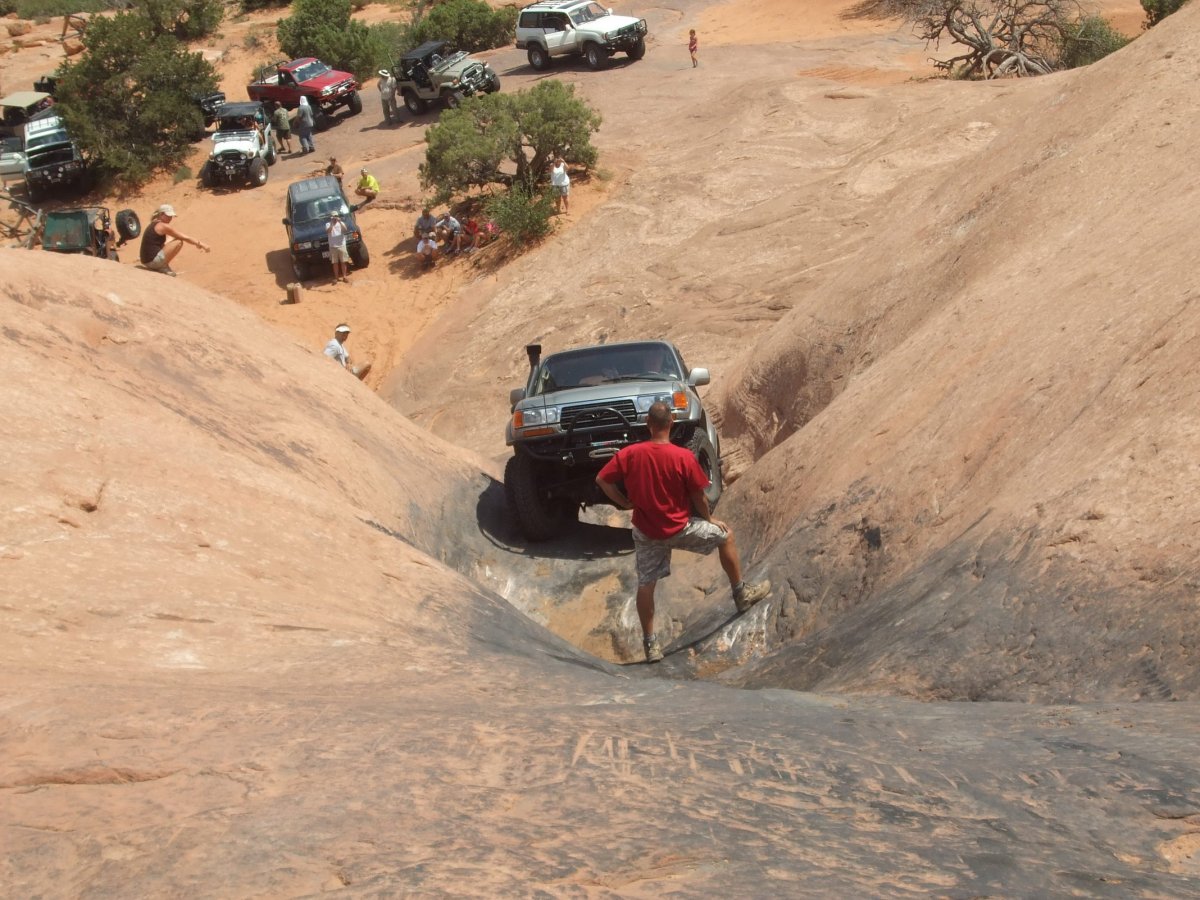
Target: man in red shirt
[(663, 485)]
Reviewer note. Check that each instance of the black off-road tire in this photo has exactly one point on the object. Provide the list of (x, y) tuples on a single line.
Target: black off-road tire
[(710, 463), (354, 104), (207, 177), (258, 172), (300, 269), (272, 155), (452, 99), (638, 50), (413, 103), (129, 226), (322, 121), (595, 55), (539, 517), (359, 255), (494, 85), (539, 57)]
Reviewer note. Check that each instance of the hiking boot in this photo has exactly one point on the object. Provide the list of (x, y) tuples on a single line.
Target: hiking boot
[(653, 648), (750, 593)]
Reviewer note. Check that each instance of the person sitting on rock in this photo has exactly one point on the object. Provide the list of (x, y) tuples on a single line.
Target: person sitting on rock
[(450, 232), (335, 169), (367, 187), (336, 350), (425, 224)]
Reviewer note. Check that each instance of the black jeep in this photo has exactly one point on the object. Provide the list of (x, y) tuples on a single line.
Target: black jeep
[(309, 204)]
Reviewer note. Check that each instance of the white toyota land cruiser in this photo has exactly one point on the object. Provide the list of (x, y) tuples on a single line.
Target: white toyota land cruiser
[(577, 27)]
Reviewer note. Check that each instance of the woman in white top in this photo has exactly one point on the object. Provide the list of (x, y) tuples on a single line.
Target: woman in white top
[(560, 181)]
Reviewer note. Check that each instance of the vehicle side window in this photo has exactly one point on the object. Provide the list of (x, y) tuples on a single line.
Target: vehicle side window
[(530, 20), (556, 22)]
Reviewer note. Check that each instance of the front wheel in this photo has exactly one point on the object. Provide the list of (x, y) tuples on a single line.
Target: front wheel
[(258, 172), (354, 104), (638, 50), (539, 516), (453, 99), (321, 120), (710, 464), (359, 255), (208, 175), (299, 269), (595, 55), (413, 103), (539, 58), (494, 84)]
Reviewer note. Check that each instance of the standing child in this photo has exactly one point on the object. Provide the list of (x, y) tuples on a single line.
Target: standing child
[(693, 46)]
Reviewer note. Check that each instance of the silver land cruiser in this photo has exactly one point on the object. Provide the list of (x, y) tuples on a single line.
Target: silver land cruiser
[(577, 27), (578, 408)]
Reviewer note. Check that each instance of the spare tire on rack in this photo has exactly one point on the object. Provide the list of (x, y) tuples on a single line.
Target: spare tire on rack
[(129, 225)]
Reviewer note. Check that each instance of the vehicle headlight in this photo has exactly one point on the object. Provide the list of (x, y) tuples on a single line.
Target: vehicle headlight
[(609, 35), (525, 418), (677, 399), (304, 245), (328, 90)]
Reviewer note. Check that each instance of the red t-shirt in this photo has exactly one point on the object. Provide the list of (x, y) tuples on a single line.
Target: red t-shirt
[(659, 479)]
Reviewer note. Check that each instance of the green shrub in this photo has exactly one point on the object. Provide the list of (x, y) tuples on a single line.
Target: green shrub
[(508, 138), (183, 173), (255, 5), (31, 9), (323, 28), (129, 98), (522, 214), (469, 25), (185, 19), (1157, 10), (1090, 39)]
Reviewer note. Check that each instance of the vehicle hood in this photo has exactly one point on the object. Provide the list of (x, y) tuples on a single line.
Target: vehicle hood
[(329, 79), (458, 67), (244, 141), (315, 230), (609, 23)]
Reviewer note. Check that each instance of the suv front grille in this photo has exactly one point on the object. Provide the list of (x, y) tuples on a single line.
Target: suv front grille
[(598, 415)]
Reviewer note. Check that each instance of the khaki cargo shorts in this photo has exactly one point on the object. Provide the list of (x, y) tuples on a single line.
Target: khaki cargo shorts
[(654, 557)]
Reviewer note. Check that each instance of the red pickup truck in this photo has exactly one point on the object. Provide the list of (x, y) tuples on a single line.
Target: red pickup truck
[(326, 89)]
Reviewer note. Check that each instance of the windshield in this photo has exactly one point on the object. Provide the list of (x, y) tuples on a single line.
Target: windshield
[(588, 13), (652, 361), (309, 71), (46, 139), (312, 210)]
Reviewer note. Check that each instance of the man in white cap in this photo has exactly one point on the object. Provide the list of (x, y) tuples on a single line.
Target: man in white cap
[(387, 95), (338, 254), (336, 350), (367, 187), (157, 252)]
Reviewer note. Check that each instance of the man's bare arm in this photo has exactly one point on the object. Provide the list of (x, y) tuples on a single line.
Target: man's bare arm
[(702, 510), (614, 493)]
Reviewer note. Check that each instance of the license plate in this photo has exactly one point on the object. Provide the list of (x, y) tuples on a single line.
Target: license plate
[(325, 255)]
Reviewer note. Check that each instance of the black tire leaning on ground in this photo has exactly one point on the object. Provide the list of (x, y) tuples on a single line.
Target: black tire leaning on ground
[(272, 155), (359, 255), (129, 226), (538, 57), (322, 121), (354, 104), (638, 50), (706, 455), (538, 517)]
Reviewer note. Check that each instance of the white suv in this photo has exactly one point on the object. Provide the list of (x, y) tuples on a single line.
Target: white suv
[(577, 27)]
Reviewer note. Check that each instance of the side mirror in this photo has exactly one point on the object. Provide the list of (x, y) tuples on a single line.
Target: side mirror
[(515, 396), (698, 377), (287, 221)]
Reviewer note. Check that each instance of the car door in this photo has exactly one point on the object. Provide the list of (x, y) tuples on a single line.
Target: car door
[(560, 36)]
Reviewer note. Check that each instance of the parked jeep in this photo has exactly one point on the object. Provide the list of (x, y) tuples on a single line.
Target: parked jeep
[(580, 407), (553, 28), (434, 73), (309, 204), (327, 89), (51, 158), (243, 146)]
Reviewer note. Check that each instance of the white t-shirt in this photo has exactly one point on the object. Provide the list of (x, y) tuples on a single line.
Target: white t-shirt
[(337, 235), (559, 176), (426, 244), (335, 349)]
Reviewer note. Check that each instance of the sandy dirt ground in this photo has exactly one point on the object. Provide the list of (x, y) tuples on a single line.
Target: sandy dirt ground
[(270, 632)]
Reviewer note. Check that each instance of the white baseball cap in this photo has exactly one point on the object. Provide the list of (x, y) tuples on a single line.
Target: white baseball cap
[(342, 329)]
